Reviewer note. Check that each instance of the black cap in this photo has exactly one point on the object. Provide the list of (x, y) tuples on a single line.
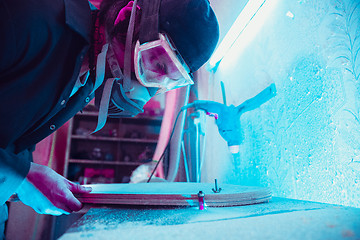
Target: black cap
[(193, 27)]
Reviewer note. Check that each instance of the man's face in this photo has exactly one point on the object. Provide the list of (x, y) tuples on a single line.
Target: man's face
[(155, 70), (137, 93), (119, 50)]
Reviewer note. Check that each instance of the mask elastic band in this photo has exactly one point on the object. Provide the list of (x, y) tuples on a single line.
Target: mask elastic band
[(100, 67), (100, 75), (104, 103), (127, 56)]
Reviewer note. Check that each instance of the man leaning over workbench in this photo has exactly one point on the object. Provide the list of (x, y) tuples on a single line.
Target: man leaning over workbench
[(55, 54)]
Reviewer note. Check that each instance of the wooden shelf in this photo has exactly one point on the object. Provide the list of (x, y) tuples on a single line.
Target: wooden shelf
[(127, 141), (138, 117), (99, 162), (114, 139)]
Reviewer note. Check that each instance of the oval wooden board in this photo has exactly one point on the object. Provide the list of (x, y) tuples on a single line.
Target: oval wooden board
[(174, 194)]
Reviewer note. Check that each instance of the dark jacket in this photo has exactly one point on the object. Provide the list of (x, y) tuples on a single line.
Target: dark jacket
[(43, 43)]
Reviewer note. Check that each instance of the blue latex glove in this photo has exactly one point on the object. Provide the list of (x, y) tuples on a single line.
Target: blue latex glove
[(48, 192)]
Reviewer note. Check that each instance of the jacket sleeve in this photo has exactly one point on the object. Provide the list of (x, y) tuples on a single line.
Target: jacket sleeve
[(7, 39), (13, 170), (13, 167)]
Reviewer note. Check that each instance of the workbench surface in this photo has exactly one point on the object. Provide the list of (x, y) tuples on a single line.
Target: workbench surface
[(279, 219)]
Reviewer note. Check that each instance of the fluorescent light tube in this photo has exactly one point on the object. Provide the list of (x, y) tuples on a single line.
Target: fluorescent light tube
[(242, 21)]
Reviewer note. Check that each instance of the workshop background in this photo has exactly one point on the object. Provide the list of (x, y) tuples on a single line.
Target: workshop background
[(305, 142)]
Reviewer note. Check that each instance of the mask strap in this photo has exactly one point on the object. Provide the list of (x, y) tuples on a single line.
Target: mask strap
[(107, 54), (116, 71), (128, 54), (104, 103), (100, 67), (100, 75)]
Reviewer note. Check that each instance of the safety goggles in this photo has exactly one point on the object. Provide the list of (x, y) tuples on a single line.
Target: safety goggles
[(159, 65)]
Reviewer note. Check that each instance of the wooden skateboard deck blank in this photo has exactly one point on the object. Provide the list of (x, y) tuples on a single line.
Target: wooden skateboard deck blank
[(175, 194)]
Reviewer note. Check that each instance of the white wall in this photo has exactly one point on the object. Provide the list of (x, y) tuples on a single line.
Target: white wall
[(305, 142)]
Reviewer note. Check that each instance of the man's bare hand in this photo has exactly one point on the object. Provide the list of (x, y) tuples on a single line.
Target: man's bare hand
[(48, 192)]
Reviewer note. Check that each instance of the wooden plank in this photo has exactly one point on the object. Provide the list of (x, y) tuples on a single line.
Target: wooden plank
[(104, 162), (114, 139), (174, 194)]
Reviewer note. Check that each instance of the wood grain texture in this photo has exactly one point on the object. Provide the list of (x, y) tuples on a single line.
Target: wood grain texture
[(175, 194)]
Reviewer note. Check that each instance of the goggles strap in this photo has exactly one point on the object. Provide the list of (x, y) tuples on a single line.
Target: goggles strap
[(127, 56), (149, 26)]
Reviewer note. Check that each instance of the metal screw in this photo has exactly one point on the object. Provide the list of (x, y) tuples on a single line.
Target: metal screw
[(216, 190)]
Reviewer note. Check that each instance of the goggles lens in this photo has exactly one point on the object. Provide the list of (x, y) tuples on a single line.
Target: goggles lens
[(157, 65)]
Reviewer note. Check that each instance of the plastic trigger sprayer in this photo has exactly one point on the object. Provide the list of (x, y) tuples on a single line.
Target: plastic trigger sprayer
[(228, 117)]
